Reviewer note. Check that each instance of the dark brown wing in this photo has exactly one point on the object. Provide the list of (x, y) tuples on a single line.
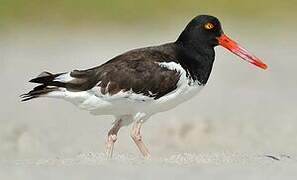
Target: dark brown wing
[(137, 70)]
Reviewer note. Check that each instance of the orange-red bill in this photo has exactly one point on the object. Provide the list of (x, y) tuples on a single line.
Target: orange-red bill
[(232, 46)]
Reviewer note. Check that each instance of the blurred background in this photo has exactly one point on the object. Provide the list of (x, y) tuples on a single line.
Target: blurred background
[(242, 109)]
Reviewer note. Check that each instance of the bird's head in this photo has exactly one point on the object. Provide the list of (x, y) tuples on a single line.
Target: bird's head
[(205, 32)]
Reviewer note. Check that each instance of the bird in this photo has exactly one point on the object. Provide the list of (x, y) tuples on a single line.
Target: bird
[(142, 82)]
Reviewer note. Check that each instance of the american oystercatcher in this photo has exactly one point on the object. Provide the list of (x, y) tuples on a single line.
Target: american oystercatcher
[(139, 83)]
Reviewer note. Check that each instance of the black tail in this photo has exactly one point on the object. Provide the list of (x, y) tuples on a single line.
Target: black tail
[(37, 92), (48, 84), (46, 78)]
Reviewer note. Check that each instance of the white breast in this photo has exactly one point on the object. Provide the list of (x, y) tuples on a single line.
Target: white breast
[(186, 89)]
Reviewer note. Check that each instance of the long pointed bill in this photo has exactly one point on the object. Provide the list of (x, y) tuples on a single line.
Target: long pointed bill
[(231, 45)]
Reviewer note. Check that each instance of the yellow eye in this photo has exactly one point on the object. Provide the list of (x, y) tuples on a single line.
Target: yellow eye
[(208, 26)]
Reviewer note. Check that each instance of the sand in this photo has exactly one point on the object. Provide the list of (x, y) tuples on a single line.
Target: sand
[(178, 166)]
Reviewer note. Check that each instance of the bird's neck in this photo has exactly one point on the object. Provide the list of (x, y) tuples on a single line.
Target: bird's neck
[(197, 61)]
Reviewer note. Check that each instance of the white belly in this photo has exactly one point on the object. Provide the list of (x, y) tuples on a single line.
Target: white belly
[(129, 103)]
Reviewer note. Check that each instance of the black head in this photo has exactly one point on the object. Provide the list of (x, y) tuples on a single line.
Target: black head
[(203, 30)]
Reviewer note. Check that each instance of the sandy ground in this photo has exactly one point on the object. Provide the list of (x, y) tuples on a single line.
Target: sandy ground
[(179, 166), (243, 125)]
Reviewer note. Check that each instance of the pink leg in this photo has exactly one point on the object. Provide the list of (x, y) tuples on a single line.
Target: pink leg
[(135, 134), (112, 137)]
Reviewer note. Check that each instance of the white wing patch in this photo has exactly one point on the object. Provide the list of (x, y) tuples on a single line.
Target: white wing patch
[(64, 78), (183, 74), (121, 94), (171, 66)]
